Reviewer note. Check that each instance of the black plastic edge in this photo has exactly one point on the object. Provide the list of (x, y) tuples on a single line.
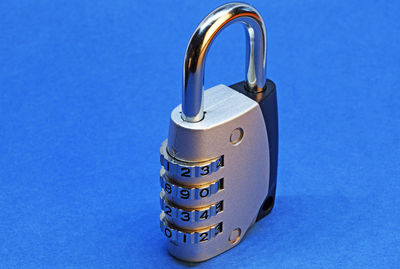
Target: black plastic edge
[(268, 104)]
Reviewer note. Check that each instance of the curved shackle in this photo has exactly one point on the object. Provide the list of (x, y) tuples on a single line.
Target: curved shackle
[(201, 40)]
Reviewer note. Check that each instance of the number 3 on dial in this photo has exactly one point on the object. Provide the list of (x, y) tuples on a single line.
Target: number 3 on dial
[(185, 216), (205, 170)]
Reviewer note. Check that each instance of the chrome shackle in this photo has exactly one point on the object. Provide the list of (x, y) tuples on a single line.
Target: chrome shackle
[(201, 40)]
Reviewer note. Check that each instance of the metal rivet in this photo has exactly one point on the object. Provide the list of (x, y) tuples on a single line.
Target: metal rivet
[(236, 136), (235, 236)]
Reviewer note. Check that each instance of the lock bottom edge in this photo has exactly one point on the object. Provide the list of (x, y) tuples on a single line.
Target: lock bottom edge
[(199, 260)]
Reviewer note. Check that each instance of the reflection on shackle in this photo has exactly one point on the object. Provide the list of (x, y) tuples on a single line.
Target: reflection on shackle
[(202, 38)]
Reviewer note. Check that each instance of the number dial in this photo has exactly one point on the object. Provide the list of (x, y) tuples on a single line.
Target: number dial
[(190, 215), (186, 237), (187, 193), (189, 170)]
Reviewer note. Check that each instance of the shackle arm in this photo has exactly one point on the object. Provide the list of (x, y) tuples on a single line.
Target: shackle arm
[(201, 40)]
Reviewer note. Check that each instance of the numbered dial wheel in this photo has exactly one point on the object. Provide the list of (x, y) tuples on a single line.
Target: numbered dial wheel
[(187, 169), (189, 237), (174, 212), (175, 191)]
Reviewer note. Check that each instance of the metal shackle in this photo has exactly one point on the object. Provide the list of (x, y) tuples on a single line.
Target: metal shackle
[(201, 40)]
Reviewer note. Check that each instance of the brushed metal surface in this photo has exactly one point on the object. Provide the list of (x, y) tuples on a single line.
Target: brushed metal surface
[(245, 170)]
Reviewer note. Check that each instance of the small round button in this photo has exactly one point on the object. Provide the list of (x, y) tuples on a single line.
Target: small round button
[(235, 236), (236, 136)]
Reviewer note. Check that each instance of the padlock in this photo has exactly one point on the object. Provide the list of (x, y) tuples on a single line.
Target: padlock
[(219, 163)]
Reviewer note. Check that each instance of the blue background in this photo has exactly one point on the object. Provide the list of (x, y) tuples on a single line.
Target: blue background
[(86, 89)]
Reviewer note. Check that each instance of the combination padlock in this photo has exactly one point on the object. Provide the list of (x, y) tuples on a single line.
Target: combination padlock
[(219, 163)]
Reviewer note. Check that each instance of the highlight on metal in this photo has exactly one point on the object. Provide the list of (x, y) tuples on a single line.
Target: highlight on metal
[(201, 40)]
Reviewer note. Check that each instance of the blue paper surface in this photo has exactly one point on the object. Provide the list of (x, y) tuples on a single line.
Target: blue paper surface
[(86, 90)]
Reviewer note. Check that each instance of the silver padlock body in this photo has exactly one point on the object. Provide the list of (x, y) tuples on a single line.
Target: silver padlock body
[(230, 195)]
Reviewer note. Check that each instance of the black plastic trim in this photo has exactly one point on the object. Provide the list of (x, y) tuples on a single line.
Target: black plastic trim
[(268, 104)]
